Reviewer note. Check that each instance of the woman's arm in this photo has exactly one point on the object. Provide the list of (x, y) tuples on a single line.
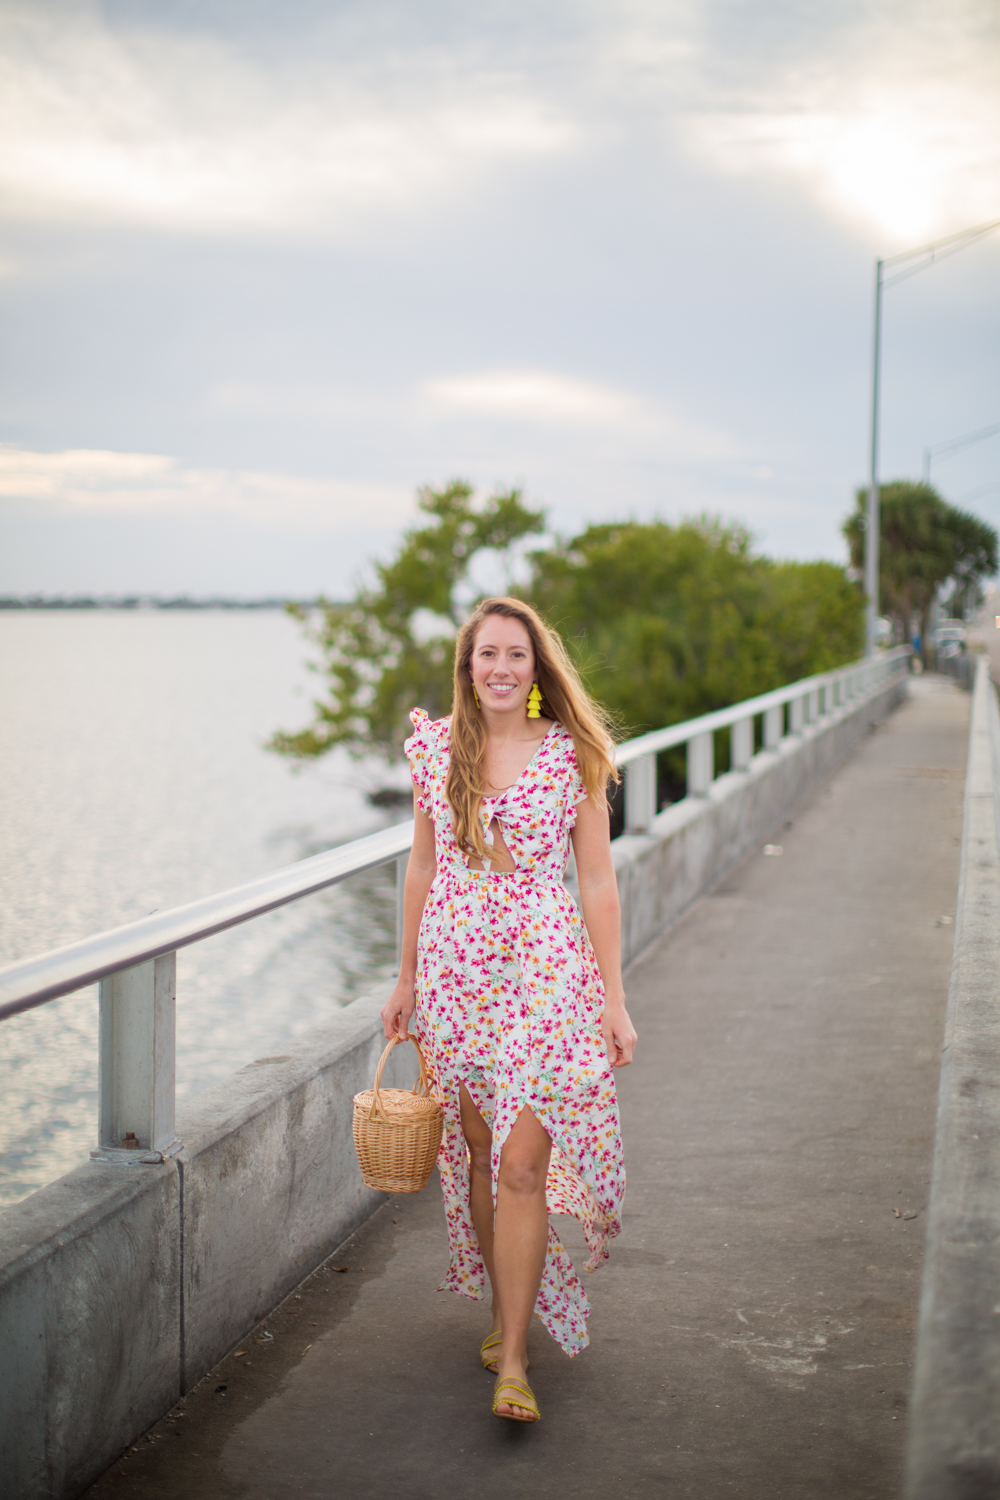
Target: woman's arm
[(420, 872), (595, 873)]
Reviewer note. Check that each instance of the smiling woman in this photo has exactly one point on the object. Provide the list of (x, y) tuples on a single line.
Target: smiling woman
[(519, 1008), (500, 667)]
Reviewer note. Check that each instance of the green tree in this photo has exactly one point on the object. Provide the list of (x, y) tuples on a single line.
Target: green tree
[(665, 622), (376, 662), (924, 544), (668, 622)]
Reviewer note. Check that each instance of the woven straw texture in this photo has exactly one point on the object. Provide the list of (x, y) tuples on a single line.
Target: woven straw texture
[(397, 1132)]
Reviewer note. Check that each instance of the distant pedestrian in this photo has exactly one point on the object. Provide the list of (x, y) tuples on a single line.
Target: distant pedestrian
[(520, 1009)]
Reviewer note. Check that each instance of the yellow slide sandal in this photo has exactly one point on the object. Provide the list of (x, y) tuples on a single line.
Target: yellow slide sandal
[(523, 1400)]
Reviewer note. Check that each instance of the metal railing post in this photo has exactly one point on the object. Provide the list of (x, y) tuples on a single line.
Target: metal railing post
[(774, 727), (741, 745), (401, 867), (796, 715), (640, 793), (700, 765), (136, 1063)]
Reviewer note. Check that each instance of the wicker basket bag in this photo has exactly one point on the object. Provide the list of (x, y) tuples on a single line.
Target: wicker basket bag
[(397, 1132)]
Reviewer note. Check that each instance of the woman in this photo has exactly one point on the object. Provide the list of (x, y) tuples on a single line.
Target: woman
[(520, 1011)]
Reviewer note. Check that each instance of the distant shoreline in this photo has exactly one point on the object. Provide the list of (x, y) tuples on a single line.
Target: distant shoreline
[(143, 601)]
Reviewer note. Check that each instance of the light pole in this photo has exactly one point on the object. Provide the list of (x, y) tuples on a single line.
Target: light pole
[(925, 256)]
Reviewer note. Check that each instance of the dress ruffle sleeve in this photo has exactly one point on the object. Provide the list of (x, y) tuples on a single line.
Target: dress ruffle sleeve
[(421, 751), (576, 791)]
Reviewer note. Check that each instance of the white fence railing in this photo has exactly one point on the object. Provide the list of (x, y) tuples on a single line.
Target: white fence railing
[(806, 702), (135, 965)]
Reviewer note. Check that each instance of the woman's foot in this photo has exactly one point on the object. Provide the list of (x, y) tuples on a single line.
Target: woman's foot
[(490, 1351), (517, 1405)]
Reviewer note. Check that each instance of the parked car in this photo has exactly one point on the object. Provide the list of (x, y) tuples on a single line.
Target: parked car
[(949, 639)]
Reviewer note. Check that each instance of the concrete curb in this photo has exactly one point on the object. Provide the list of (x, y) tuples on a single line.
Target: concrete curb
[(954, 1439)]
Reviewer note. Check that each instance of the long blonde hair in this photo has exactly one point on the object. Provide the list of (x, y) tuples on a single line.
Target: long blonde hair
[(564, 698)]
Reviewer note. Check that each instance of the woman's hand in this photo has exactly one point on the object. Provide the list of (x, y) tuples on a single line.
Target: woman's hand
[(619, 1033), (398, 1009)]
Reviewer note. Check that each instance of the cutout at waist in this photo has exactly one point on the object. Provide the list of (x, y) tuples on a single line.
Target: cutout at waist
[(497, 863)]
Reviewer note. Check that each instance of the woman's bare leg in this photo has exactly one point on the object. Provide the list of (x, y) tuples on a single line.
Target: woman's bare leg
[(519, 1239), (480, 1141)]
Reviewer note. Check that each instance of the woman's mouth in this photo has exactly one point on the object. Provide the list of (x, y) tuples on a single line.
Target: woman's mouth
[(501, 688)]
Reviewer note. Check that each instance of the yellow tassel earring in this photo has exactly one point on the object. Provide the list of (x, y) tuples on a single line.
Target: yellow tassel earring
[(534, 703), (475, 695)]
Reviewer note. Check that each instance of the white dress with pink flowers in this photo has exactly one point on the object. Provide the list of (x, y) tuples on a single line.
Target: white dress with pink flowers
[(509, 1000)]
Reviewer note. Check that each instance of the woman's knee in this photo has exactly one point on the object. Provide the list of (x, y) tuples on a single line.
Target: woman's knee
[(480, 1158), (478, 1136), (523, 1173)]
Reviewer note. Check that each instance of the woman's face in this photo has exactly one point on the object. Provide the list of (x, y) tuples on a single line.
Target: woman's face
[(503, 665)]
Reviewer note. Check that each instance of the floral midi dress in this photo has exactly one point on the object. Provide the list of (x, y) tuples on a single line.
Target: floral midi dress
[(509, 1002)]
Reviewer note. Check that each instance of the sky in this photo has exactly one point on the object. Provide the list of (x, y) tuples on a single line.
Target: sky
[(267, 268)]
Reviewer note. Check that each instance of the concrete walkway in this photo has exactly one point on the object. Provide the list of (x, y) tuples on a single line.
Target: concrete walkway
[(753, 1331)]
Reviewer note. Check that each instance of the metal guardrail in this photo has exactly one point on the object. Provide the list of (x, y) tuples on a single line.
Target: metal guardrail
[(962, 667), (136, 964), (35, 981), (807, 701)]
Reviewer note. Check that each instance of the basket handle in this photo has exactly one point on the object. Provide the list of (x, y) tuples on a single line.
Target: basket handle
[(421, 1087)]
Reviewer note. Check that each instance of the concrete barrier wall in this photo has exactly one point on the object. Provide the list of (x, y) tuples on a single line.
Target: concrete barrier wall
[(954, 1439), (89, 1324), (121, 1287)]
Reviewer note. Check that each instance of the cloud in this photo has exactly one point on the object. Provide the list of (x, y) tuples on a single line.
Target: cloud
[(79, 476), (95, 481), (891, 125), (887, 116), (540, 399), (499, 411), (534, 395), (184, 131), (887, 167)]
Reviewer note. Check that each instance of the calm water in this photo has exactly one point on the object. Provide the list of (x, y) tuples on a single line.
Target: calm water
[(134, 778)]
